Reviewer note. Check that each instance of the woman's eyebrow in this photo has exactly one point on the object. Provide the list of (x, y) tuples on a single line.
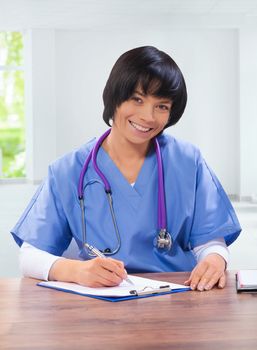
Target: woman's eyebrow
[(161, 99), (139, 93), (165, 101)]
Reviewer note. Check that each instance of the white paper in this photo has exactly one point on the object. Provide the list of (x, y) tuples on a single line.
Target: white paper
[(247, 278), (119, 291)]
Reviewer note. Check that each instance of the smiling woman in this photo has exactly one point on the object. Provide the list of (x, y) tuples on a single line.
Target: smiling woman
[(142, 117), (147, 200), (152, 73)]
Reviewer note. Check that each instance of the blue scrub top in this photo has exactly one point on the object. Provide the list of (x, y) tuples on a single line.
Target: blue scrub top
[(198, 210)]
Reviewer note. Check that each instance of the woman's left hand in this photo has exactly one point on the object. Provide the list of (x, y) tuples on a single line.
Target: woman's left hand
[(207, 273)]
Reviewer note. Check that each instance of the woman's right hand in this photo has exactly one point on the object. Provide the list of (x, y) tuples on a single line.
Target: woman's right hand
[(98, 272)]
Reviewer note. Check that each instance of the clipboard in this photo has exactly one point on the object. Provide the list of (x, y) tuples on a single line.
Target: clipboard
[(144, 288)]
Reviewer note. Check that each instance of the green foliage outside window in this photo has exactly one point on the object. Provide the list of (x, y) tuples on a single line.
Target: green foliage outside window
[(12, 126)]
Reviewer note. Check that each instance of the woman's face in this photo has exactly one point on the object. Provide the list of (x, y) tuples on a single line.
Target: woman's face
[(142, 117)]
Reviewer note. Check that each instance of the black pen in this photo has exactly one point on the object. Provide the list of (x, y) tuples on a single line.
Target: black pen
[(101, 255)]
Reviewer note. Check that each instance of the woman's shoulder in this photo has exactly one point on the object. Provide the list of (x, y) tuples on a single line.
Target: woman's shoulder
[(178, 147), (74, 160)]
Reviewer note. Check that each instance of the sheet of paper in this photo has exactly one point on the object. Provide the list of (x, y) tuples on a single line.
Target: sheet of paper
[(247, 278), (122, 290)]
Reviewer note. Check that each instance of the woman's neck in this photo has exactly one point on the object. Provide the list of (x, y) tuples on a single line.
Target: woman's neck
[(122, 149), (127, 156)]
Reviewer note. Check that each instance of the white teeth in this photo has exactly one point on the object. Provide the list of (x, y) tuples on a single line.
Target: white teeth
[(139, 127)]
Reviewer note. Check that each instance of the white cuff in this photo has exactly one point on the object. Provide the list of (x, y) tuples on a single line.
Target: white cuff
[(36, 263), (215, 246)]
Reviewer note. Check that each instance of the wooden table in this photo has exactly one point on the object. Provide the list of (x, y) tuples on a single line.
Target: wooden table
[(33, 317)]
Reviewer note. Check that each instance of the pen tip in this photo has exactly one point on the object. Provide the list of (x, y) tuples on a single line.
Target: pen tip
[(129, 281)]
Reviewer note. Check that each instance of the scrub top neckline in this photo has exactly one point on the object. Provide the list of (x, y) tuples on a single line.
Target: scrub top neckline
[(107, 165)]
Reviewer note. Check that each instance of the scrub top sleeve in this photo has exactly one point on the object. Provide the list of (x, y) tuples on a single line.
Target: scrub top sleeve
[(214, 216), (44, 224)]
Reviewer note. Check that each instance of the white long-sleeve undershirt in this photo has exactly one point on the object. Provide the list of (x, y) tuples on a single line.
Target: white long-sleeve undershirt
[(37, 263)]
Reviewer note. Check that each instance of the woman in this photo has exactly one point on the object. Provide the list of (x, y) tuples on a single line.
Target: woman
[(144, 94)]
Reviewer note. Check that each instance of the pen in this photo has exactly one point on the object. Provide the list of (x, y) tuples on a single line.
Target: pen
[(101, 255)]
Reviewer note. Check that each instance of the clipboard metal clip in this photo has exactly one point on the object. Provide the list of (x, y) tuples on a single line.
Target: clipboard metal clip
[(150, 290)]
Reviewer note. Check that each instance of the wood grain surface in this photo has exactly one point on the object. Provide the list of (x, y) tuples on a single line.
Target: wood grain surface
[(33, 317)]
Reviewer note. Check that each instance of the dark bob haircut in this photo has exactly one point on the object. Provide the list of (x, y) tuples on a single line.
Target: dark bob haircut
[(154, 72)]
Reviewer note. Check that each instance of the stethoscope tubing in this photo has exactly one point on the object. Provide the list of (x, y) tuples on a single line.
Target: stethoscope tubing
[(162, 220)]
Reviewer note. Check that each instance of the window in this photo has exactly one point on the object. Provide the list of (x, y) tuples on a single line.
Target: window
[(12, 123)]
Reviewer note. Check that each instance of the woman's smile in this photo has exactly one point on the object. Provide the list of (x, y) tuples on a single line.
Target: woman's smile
[(140, 127)]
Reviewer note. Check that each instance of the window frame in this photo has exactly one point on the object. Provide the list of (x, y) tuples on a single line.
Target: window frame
[(15, 68)]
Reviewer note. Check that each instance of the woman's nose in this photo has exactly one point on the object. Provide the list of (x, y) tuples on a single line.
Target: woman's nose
[(147, 113)]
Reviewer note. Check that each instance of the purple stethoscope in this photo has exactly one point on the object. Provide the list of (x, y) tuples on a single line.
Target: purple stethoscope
[(163, 239)]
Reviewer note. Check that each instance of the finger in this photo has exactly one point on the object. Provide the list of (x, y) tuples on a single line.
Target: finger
[(222, 281), (98, 276), (216, 265), (120, 264), (93, 273), (106, 273), (95, 279), (98, 281), (111, 278), (216, 278), (106, 279), (112, 270), (209, 279), (197, 274), (188, 281), (114, 266)]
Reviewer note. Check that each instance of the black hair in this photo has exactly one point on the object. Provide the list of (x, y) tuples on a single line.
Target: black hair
[(154, 72)]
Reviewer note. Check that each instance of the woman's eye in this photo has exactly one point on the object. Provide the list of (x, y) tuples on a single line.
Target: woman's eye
[(164, 108), (137, 99)]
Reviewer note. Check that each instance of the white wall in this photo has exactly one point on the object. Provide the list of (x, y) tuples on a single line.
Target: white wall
[(248, 112), (208, 59), (40, 101), (69, 68)]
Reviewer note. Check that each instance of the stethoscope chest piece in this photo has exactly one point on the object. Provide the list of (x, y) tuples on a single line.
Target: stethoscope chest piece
[(164, 240)]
